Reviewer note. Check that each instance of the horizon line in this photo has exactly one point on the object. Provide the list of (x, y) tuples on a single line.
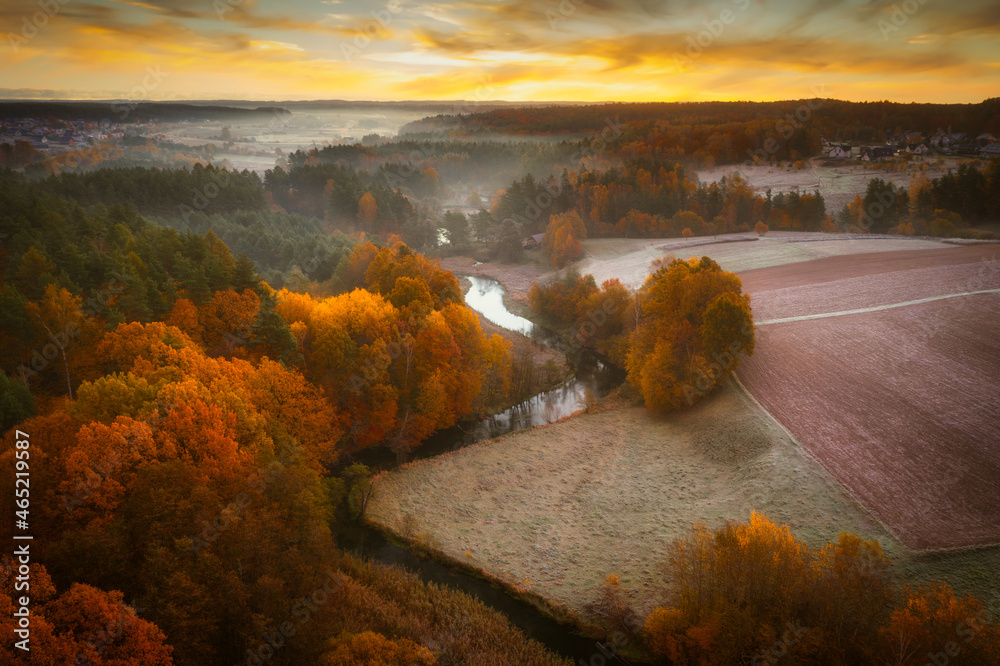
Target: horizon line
[(111, 100)]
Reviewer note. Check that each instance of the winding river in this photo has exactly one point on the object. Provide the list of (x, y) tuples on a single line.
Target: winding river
[(591, 375)]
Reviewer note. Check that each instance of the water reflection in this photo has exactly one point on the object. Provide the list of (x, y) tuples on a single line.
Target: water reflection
[(486, 297), (592, 378)]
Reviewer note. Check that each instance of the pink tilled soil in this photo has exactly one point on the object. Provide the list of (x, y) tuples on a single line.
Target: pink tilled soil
[(902, 404)]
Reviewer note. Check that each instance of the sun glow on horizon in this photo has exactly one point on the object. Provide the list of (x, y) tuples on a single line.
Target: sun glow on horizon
[(513, 51)]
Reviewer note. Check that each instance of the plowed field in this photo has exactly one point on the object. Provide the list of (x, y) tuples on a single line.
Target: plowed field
[(900, 402)]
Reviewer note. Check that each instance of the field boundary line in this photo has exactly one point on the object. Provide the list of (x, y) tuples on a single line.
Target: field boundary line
[(874, 308), (850, 493)]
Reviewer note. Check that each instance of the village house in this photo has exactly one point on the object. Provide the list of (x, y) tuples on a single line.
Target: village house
[(991, 150), (838, 151), (531, 242), (876, 153)]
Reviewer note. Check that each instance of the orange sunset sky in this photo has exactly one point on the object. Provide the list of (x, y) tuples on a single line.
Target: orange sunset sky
[(585, 50)]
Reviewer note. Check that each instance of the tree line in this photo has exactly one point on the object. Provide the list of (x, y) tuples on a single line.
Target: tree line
[(750, 592)]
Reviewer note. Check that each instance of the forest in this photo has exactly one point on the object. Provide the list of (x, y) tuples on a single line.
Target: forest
[(190, 432), (832, 118), (140, 111)]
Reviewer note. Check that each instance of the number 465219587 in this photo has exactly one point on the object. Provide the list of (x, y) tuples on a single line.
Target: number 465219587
[(22, 474)]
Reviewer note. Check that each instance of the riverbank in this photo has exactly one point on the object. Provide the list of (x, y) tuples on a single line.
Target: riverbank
[(523, 345), (516, 279)]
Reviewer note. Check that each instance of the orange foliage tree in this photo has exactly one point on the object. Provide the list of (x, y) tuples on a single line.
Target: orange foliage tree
[(587, 316), (403, 356), (561, 242), (367, 210), (372, 649), (933, 624), (226, 321), (693, 324), (750, 590), (82, 625)]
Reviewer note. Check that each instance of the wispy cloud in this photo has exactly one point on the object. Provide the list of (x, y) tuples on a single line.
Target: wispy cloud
[(603, 49)]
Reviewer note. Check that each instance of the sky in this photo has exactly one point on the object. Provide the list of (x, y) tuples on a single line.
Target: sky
[(556, 50)]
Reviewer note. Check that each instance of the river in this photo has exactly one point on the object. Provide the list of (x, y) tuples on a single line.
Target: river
[(591, 376)]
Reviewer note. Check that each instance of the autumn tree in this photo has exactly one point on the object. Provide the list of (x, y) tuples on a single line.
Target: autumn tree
[(498, 357), (184, 315), (561, 242), (761, 228), (693, 324), (588, 316), (226, 323), (372, 649), (402, 357), (933, 624), (732, 592), (358, 488), (457, 226), (16, 402), (81, 625), (752, 590), (612, 606), (59, 317), (367, 210)]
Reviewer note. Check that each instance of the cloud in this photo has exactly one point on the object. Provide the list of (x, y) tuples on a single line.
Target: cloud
[(598, 49)]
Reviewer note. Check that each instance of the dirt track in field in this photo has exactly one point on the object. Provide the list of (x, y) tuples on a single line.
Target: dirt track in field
[(901, 405)]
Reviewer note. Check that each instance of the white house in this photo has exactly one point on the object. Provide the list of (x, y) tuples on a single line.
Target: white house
[(838, 152)]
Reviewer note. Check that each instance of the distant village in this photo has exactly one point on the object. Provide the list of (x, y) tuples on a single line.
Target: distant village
[(42, 134), (914, 144)]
